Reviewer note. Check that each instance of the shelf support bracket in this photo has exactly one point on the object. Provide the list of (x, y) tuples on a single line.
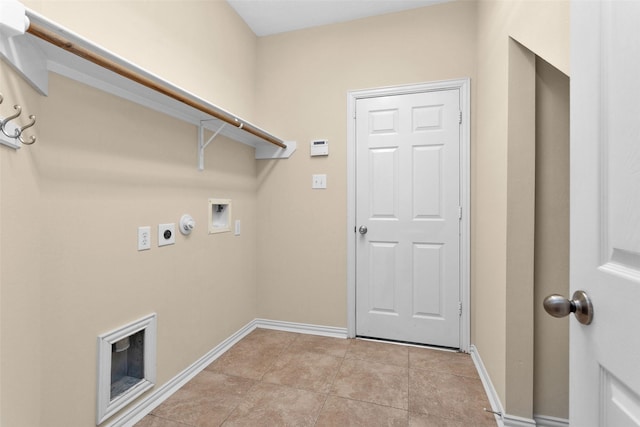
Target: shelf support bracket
[(202, 145), (23, 56), (270, 151)]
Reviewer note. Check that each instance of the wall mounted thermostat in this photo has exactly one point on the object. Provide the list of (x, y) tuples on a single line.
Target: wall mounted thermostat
[(320, 147)]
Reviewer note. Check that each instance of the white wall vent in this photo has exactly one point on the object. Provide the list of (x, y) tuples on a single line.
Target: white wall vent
[(126, 365)]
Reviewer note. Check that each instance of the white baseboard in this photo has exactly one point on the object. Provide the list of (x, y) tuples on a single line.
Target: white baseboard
[(546, 421), (134, 414), (492, 395), (515, 421), (303, 328), (507, 420), (503, 420)]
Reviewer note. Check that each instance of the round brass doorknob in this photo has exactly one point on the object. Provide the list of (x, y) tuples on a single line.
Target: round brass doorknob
[(558, 306)]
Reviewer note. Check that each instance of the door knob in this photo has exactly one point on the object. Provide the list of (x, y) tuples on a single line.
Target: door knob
[(363, 229), (580, 305)]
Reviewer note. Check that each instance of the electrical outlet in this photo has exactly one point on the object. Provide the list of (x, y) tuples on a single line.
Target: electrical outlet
[(237, 227), (166, 234), (144, 238)]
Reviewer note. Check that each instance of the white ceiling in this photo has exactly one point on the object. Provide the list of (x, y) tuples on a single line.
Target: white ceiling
[(266, 17)]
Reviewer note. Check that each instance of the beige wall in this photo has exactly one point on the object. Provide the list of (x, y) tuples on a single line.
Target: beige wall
[(521, 136), (70, 206), (542, 28), (551, 384), (21, 351), (302, 90)]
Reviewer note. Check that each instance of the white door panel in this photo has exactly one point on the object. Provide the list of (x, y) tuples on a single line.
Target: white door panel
[(384, 179), (427, 171), (408, 197), (383, 284), (605, 212)]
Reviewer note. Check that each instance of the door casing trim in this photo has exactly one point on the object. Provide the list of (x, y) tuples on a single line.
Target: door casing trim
[(463, 85)]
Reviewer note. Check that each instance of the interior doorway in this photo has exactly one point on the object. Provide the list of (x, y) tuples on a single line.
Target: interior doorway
[(407, 215), (459, 88)]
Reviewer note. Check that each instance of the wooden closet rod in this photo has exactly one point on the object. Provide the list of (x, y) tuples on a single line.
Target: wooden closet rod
[(57, 40)]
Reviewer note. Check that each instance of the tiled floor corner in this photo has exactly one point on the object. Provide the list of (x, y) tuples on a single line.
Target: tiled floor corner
[(275, 378)]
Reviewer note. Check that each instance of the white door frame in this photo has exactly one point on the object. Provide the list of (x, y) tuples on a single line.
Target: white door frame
[(465, 194)]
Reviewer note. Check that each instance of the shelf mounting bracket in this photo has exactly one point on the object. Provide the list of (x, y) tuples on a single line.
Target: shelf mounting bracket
[(202, 145)]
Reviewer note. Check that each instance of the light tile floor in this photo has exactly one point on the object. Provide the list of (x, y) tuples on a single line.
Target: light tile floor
[(275, 378)]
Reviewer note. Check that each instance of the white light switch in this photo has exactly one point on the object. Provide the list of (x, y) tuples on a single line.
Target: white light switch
[(319, 181)]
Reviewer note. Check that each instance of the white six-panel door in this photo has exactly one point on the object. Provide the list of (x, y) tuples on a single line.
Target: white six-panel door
[(408, 198), (605, 212)]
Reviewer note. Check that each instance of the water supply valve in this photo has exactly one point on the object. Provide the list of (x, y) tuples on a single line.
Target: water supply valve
[(187, 224)]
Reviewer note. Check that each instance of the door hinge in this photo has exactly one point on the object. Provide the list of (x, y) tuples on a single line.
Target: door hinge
[(460, 118), (459, 212), (459, 308)]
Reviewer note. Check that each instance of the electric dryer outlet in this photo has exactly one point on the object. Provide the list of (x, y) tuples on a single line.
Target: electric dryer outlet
[(166, 234)]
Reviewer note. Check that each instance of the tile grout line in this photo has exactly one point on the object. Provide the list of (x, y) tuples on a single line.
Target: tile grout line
[(275, 359), (326, 397), (240, 401), (364, 359), (173, 421), (257, 381), (331, 385)]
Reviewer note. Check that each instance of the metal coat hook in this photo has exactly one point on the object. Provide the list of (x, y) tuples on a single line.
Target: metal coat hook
[(3, 124), (33, 138), (17, 131)]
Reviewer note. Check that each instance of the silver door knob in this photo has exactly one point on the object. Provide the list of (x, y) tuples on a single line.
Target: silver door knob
[(363, 229), (580, 305)]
